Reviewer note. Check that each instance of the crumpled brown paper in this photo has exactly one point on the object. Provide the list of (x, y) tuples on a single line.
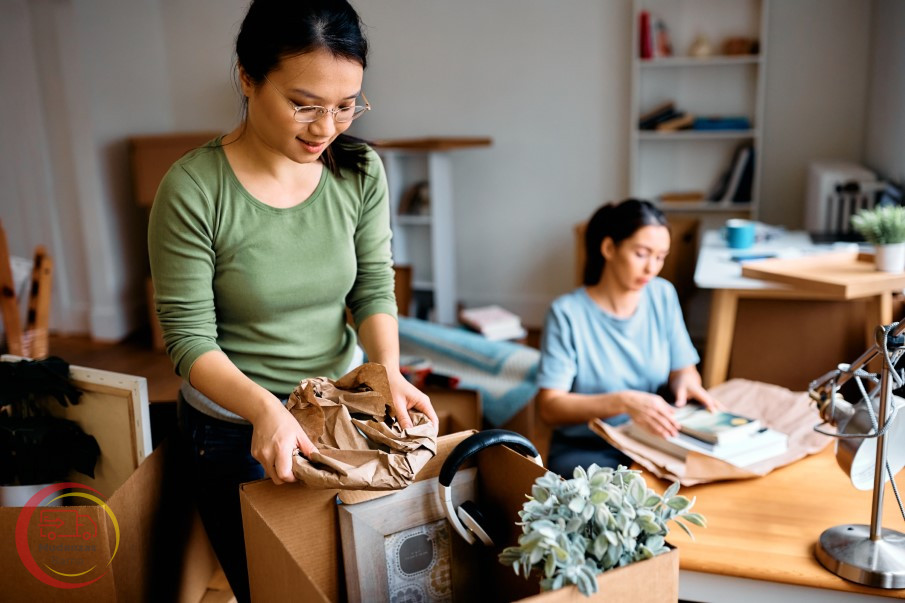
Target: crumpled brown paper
[(360, 445), (777, 407)]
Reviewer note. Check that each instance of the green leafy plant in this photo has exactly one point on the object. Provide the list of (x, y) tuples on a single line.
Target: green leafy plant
[(600, 519), (882, 225)]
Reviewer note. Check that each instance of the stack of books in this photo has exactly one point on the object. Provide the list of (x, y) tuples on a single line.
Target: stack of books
[(493, 322), (736, 439)]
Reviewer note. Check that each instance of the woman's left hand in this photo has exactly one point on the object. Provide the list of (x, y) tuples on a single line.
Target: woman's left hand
[(686, 385), (406, 396)]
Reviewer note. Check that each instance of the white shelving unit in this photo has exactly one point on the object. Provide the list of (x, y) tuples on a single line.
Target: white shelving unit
[(717, 85), (426, 241)]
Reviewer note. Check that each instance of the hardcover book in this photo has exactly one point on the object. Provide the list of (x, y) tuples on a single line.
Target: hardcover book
[(762, 444), (714, 427)]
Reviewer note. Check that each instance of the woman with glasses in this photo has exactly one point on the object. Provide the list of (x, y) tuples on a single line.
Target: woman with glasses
[(609, 347), (258, 243)]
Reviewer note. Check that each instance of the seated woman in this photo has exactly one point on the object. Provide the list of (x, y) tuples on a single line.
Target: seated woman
[(609, 346)]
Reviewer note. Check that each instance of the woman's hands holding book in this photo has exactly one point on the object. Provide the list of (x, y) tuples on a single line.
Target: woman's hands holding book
[(686, 385), (651, 412)]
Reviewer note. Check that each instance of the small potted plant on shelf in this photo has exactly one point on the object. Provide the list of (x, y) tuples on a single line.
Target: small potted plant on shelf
[(37, 448), (601, 519), (884, 227)]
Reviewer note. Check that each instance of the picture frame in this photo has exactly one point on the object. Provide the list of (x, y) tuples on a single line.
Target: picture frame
[(401, 547), (114, 409)]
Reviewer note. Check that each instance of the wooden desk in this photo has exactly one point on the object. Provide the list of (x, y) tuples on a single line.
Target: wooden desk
[(834, 279), (759, 543)]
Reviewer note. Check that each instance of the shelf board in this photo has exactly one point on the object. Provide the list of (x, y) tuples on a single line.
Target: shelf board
[(436, 143), (407, 220), (704, 206), (695, 135), (712, 61), (422, 285)]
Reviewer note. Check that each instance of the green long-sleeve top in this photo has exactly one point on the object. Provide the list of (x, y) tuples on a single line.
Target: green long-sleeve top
[(268, 286)]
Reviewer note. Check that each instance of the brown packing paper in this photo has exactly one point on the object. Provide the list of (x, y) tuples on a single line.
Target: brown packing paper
[(360, 444), (777, 407)]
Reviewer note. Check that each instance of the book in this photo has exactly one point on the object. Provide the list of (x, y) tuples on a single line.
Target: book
[(717, 427), (493, 322), (740, 160), (660, 113), (646, 50), (746, 182), (757, 446), (682, 121), (722, 123)]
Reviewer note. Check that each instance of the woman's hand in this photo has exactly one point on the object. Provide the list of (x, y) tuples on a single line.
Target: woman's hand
[(686, 385), (276, 437), (407, 396), (651, 412)]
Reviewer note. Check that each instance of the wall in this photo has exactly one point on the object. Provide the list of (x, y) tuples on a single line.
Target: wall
[(884, 143), (548, 82), (816, 92)]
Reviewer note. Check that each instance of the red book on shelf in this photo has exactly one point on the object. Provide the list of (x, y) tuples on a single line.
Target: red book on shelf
[(644, 31)]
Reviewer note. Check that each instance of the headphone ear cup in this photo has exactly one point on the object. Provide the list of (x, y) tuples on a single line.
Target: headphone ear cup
[(473, 519)]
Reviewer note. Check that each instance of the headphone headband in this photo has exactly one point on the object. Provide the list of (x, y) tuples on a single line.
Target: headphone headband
[(478, 442)]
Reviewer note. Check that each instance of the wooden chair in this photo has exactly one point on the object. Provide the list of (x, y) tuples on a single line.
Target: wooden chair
[(31, 340)]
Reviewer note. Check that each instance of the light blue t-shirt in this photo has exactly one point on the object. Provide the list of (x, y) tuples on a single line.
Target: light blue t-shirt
[(588, 351)]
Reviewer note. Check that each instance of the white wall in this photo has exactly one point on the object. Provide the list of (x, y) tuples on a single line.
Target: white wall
[(550, 86), (884, 144), (548, 82), (816, 92)]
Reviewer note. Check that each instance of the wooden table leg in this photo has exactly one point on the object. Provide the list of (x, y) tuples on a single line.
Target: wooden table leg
[(720, 331)]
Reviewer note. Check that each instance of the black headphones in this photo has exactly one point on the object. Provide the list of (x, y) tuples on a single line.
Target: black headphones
[(467, 519)]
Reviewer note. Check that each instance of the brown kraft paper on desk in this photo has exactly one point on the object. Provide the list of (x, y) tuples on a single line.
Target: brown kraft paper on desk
[(777, 407), (367, 451)]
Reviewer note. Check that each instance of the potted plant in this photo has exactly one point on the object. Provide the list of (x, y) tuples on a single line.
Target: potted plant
[(572, 530), (884, 227), (37, 448)]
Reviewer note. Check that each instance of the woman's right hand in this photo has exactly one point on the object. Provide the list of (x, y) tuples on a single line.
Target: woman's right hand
[(651, 412), (275, 438)]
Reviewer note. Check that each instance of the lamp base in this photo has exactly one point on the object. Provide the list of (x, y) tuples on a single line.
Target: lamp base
[(848, 551)]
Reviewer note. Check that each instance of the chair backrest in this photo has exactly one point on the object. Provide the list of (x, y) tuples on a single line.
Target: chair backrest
[(680, 263)]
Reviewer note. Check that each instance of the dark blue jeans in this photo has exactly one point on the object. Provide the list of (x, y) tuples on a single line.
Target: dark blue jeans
[(219, 457), (570, 451)]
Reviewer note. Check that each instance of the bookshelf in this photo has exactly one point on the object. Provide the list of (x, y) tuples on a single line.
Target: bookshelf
[(716, 85), (425, 240)]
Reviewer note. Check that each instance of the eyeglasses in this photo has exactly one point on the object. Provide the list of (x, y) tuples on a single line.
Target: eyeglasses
[(311, 113)]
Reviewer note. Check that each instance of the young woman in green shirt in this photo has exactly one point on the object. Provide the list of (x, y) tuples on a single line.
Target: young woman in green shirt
[(258, 242)]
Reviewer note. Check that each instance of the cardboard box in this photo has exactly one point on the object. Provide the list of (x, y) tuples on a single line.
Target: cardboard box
[(294, 553), (163, 553), (457, 409), (151, 157)]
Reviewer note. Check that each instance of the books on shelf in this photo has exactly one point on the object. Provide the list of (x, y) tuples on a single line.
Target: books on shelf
[(682, 121), (493, 322), (722, 123), (649, 120), (762, 444), (735, 182)]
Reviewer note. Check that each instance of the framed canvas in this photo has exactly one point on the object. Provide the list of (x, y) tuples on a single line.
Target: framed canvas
[(114, 409), (401, 548)]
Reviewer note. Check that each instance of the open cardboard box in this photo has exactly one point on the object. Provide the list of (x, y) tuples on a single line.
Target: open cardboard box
[(163, 553), (292, 537)]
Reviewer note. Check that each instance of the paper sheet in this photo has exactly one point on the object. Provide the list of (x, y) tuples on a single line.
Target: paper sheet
[(360, 445), (777, 407)]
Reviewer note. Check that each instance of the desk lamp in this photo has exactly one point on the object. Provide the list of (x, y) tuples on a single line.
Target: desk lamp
[(870, 555)]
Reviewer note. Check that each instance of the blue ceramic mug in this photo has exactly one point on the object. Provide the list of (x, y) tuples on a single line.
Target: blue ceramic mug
[(739, 233)]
